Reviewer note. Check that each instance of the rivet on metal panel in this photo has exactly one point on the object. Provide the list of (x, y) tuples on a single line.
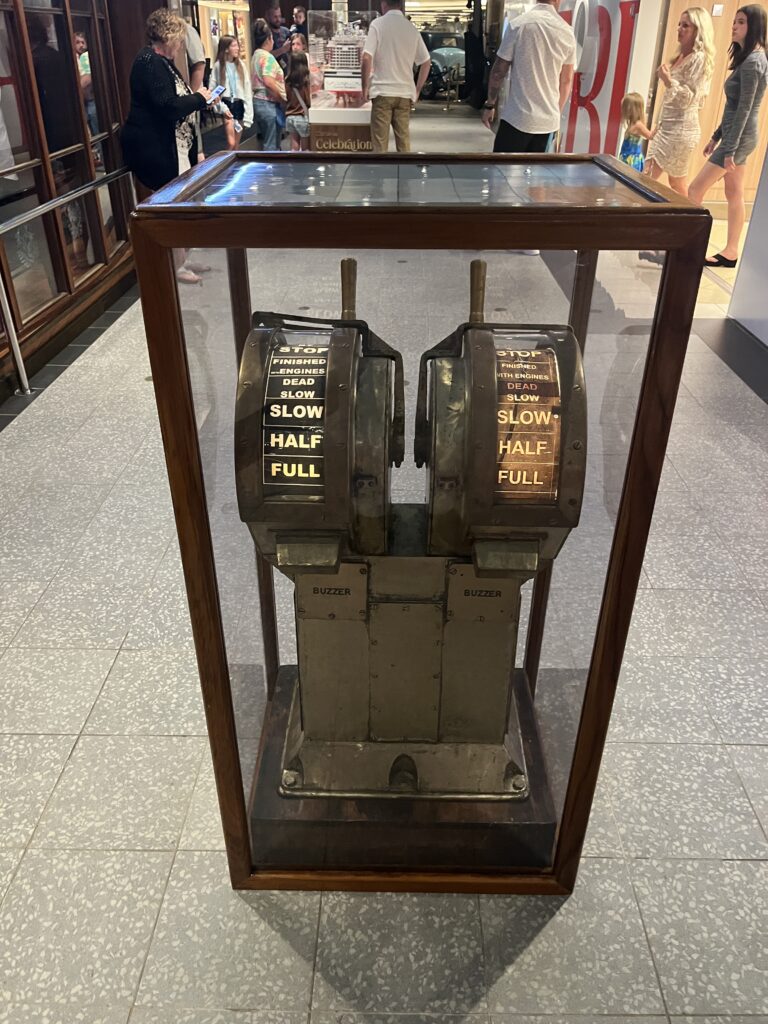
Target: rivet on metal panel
[(374, 643), (363, 570), (577, 387), (577, 446), (290, 779), (246, 383), (331, 615), (518, 783), (301, 611), (481, 618), (342, 387), (452, 571)]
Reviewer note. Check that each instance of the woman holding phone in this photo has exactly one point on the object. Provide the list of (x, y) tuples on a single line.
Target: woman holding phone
[(736, 136), (159, 136), (230, 72)]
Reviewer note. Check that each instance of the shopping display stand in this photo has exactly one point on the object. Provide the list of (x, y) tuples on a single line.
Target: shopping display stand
[(472, 204)]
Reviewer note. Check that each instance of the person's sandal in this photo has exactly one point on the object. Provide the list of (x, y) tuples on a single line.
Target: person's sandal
[(186, 276), (719, 261)]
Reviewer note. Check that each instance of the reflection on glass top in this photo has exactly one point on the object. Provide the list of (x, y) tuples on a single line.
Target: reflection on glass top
[(357, 184)]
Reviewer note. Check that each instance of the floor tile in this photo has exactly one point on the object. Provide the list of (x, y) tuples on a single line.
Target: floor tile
[(510, 1018), (680, 801), (706, 922), (50, 691), (602, 838), (9, 860), (684, 551), (222, 949), (584, 954), (20, 1013), (151, 693), (399, 953), (752, 765), (202, 828), (25, 1013), (17, 599), (122, 792), (659, 700), (736, 695), (82, 611), (141, 1015), (322, 1017), (29, 769), (77, 925), (735, 1019), (674, 623)]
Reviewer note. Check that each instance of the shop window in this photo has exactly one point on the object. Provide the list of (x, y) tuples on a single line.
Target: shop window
[(111, 205), (107, 97), (14, 139), (53, 59), (82, 235), (43, 5), (90, 74), (28, 248), (70, 171)]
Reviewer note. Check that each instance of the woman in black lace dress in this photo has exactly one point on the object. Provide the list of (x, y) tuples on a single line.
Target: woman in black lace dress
[(160, 134)]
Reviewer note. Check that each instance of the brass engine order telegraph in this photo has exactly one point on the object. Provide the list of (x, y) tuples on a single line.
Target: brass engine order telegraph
[(405, 699)]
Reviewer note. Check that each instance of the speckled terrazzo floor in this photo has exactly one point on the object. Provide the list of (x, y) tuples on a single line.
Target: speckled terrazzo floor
[(116, 902)]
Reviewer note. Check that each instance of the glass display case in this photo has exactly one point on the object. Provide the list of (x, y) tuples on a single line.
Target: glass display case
[(412, 491), (59, 135)]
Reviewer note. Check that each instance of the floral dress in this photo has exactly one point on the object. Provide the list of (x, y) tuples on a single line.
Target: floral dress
[(678, 131)]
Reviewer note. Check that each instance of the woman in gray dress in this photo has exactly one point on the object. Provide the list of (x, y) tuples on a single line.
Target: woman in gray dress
[(736, 137)]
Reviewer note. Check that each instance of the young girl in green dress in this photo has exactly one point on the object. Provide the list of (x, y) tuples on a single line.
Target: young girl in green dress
[(633, 116)]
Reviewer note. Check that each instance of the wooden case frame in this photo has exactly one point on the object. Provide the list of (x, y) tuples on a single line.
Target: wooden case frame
[(172, 219)]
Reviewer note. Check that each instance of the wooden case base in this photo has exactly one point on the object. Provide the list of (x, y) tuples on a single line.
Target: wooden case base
[(403, 834)]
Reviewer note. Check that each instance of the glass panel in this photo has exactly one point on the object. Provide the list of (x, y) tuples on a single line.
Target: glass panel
[(109, 106), (27, 247), (442, 184), (80, 220), (43, 5), (70, 171), (109, 201), (90, 74), (53, 60), (14, 134), (372, 673)]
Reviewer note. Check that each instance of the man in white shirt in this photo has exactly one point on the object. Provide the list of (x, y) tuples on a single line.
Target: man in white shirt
[(538, 52), (391, 50)]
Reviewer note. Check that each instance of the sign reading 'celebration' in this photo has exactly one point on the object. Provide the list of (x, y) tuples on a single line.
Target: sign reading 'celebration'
[(528, 425), (294, 420)]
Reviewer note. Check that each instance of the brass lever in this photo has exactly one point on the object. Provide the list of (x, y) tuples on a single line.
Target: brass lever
[(477, 269), (348, 289)]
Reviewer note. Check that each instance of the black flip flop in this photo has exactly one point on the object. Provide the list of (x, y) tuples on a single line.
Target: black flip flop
[(719, 261)]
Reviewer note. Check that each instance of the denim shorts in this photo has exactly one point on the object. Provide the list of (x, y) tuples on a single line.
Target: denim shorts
[(297, 124)]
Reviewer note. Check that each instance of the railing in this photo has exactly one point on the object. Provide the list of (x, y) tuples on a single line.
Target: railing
[(17, 222)]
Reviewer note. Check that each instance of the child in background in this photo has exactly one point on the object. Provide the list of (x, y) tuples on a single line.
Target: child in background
[(633, 116), (298, 101)]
